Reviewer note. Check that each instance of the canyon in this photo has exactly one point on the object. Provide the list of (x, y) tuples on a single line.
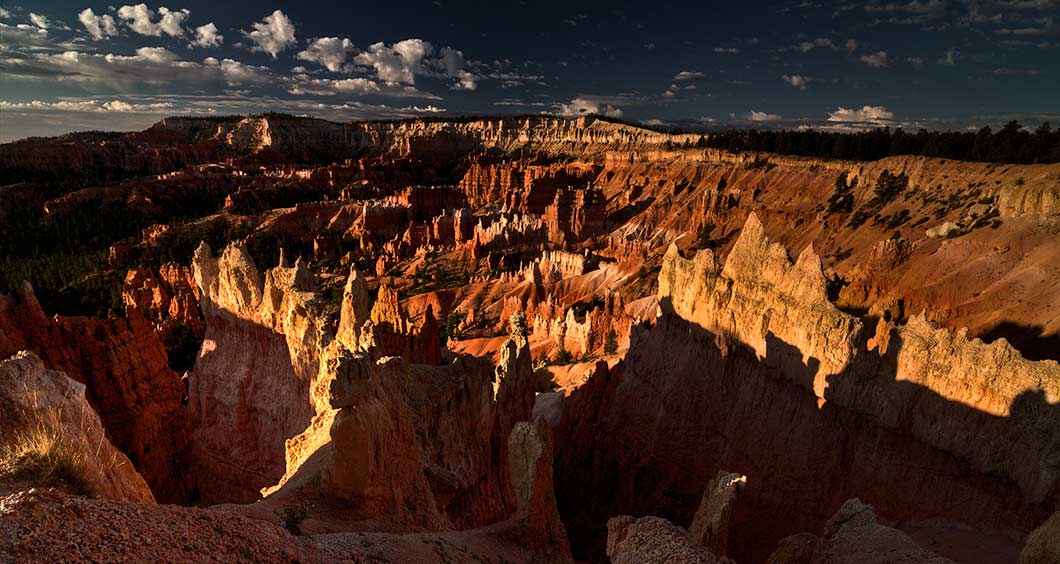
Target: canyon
[(531, 339)]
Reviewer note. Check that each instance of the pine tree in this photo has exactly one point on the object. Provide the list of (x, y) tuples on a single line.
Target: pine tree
[(611, 342)]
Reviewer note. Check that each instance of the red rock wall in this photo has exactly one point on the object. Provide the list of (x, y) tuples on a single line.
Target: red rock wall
[(124, 367)]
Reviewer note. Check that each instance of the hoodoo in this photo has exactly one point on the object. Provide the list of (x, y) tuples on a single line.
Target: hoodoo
[(519, 339)]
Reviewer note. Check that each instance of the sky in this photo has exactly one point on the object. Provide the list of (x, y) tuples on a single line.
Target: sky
[(70, 65)]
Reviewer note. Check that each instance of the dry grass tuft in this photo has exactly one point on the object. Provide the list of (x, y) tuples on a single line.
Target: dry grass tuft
[(40, 458)]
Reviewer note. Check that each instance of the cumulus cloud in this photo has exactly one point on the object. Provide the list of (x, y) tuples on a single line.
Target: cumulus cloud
[(763, 116), (730, 50), (39, 20), (450, 63), (399, 62), (867, 114), (877, 60), (97, 26), (272, 34), (140, 19), (5, 14), (27, 37), (688, 75), (583, 105), (798, 81), (330, 52), (403, 61), (949, 58), (207, 36)]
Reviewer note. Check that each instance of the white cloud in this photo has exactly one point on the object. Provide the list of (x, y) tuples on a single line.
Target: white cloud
[(172, 22), (730, 50), (157, 55), (807, 46), (950, 57), (97, 26), (429, 109), (150, 65), (39, 20), (140, 18), (137, 112), (4, 13), (867, 114), (272, 34), (330, 52), (207, 36), (763, 116), (823, 42), (87, 106), (235, 71), (302, 85), (688, 75), (877, 60), (398, 62), (403, 61), (582, 106), (798, 81), (450, 63), (917, 62)]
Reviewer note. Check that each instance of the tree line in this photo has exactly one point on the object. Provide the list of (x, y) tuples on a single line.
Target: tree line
[(1011, 144)]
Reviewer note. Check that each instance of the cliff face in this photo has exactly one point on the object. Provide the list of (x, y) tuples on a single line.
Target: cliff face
[(1003, 213), (760, 298), (405, 446), (250, 389), (903, 429), (43, 409), (124, 368)]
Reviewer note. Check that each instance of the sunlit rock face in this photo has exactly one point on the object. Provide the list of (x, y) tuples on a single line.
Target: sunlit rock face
[(843, 421), (250, 390)]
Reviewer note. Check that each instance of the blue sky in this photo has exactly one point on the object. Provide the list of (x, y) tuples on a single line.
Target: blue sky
[(948, 64)]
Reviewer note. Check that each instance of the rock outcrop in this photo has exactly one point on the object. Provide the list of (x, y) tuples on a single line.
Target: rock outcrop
[(397, 335), (47, 526), (710, 525), (853, 535), (1043, 544), (127, 379), (250, 389), (169, 299), (652, 540), (902, 428), (46, 421), (407, 447), (758, 297)]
